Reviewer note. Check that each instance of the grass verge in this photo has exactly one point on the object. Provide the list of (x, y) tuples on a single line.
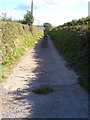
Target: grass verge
[(73, 45), (16, 39)]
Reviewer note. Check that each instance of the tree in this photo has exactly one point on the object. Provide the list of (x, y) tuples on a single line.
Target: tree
[(47, 26), (29, 19), (4, 17)]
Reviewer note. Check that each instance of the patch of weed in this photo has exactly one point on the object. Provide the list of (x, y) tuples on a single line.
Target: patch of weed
[(43, 90)]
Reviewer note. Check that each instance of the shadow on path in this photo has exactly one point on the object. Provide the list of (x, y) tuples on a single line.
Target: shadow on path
[(67, 101)]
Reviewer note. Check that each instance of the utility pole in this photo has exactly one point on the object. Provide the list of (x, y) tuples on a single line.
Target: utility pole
[(88, 14), (32, 7), (38, 22), (32, 15)]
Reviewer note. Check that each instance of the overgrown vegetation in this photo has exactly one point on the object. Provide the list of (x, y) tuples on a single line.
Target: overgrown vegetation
[(15, 39), (72, 40), (82, 21), (43, 90)]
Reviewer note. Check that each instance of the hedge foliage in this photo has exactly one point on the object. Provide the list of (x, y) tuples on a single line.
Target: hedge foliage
[(72, 41)]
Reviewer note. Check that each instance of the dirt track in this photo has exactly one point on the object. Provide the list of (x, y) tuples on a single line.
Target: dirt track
[(43, 66)]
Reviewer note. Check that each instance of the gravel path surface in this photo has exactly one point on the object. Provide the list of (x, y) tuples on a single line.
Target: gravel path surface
[(43, 66)]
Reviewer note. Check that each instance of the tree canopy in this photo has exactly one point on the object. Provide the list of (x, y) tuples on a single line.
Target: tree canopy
[(47, 26), (28, 18)]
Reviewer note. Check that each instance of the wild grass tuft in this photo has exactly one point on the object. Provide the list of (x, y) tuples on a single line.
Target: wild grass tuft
[(43, 90)]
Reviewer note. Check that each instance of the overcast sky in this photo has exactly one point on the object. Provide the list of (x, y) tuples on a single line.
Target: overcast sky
[(55, 12)]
